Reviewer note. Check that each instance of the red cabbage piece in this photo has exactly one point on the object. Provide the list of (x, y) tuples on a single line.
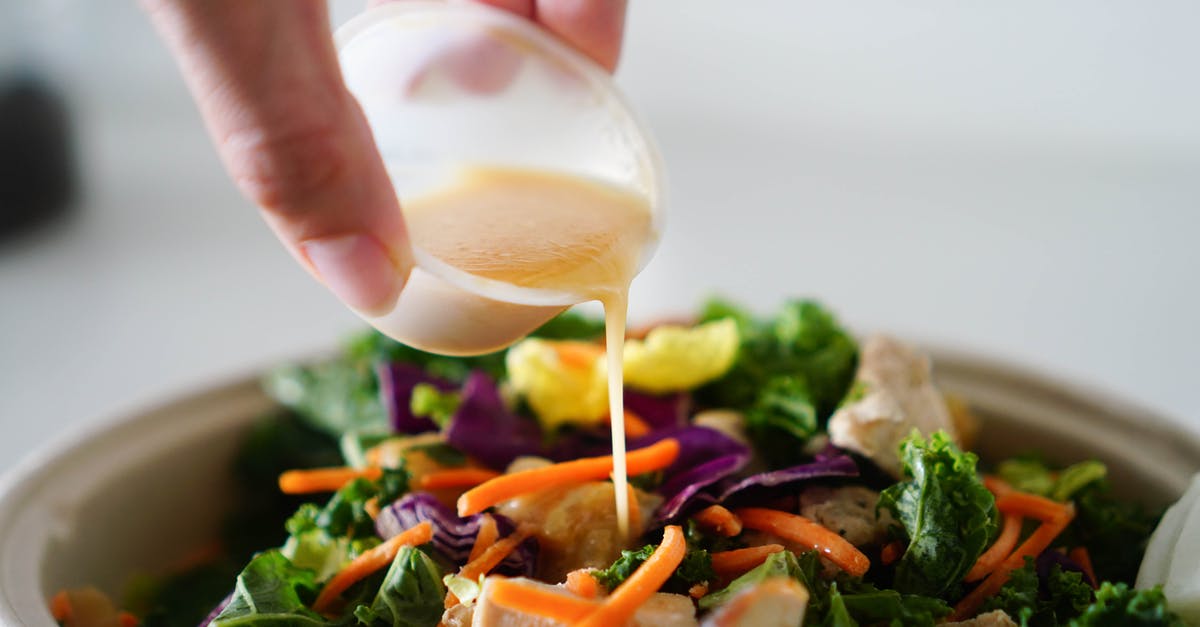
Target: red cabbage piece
[(682, 492), (660, 412), (697, 445), (453, 536), (396, 383), (484, 428), (823, 466)]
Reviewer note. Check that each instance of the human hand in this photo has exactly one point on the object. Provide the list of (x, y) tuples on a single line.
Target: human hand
[(266, 78)]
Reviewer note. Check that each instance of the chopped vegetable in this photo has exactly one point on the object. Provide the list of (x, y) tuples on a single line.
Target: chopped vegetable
[(948, 516), (719, 520), (427, 401), (410, 595), (1034, 601), (323, 479), (583, 583), (1031, 547), (673, 358), (485, 428), (734, 563), (806, 533), (455, 478), (489, 532), (654, 457), (271, 590), (553, 605), (1000, 549), (803, 341), (695, 568), (1118, 604), (370, 562), (624, 601), (455, 538), (494, 554)]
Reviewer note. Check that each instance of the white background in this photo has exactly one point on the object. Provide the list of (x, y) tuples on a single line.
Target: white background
[(1021, 179)]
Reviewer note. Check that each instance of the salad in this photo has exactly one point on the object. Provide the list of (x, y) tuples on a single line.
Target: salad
[(782, 473)]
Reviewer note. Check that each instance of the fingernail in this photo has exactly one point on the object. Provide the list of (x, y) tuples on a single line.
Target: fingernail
[(358, 270)]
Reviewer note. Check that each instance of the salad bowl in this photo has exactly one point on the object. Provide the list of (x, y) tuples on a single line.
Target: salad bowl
[(139, 492)]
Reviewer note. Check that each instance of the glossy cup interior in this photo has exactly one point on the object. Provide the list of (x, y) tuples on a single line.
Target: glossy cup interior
[(446, 86), (136, 493)]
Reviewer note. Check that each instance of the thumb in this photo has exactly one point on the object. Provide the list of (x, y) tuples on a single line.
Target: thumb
[(266, 79)]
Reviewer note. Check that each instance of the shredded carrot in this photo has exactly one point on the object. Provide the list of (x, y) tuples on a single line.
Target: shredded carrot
[(619, 607), (698, 590), (731, 564), (371, 507), (1084, 559), (455, 478), (128, 620), (798, 529), (999, 550), (891, 552), (488, 533), (1030, 506), (1036, 543), (582, 583), (718, 520), (996, 485), (654, 457), (60, 606), (369, 562), (494, 554), (556, 606), (635, 425), (323, 479)]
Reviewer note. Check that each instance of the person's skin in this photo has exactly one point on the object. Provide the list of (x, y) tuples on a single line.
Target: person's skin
[(265, 76)]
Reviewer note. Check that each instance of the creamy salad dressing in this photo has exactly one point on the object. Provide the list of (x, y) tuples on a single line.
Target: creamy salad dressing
[(548, 232)]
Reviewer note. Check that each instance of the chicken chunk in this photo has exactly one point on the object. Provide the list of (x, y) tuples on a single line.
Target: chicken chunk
[(848, 511), (576, 526), (660, 610), (895, 394), (776, 602), (996, 618)]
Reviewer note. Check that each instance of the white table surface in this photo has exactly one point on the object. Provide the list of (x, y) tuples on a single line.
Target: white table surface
[(1021, 179)]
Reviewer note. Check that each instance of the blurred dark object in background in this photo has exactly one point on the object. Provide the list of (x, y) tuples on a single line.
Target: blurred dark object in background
[(37, 162)]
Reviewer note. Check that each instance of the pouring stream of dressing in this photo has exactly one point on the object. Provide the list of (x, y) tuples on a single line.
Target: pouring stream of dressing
[(524, 229)]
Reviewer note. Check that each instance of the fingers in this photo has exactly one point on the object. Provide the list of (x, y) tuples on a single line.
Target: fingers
[(594, 27), (266, 78)]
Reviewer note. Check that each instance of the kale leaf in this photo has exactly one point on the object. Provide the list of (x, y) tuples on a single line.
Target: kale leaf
[(1115, 532), (695, 568), (948, 515), (412, 594), (790, 374), (1032, 602), (1118, 605)]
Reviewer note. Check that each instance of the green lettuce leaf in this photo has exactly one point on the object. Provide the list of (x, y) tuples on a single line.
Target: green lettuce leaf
[(948, 516), (429, 402), (1029, 474), (271, 591), (781, 564), (412, 594)]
